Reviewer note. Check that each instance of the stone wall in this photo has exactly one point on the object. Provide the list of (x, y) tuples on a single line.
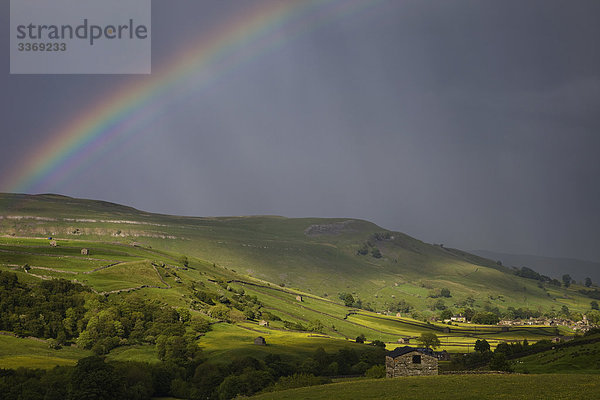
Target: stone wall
[(404, 366)]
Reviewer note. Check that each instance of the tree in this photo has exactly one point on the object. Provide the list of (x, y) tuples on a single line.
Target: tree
[(486, 318), (363, 251), (375, 253), (94, 379), (566, 278), (446, 314), (588, 282), (361, 338), (184, 261), (594, 305), (445, 292), (348, 299), (468, 313), (470, 301), (499, 363), (429, 340), (482, 346), (236, 315), (439, 305)]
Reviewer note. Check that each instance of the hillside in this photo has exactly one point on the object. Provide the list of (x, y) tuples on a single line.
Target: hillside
[(579, 356), (555, 267), (303, 253), (176, 304)]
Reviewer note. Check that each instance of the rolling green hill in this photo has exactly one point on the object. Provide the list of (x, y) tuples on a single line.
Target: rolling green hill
[(315, 255), (145, 288)]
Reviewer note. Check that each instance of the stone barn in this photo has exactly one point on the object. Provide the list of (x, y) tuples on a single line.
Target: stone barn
[(260, 341), (299, 298), (85, 252), (262, 322), (410, 361), (53, 243)]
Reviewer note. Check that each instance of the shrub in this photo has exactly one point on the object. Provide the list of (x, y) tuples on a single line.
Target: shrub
[(376, 372)]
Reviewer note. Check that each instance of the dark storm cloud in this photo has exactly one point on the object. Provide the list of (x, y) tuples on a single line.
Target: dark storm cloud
[(474, 124)]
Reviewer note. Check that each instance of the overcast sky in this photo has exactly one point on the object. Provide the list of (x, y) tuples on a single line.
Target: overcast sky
[(470, 123)]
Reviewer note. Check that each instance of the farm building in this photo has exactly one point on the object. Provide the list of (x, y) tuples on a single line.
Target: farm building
[(299, 298), (409, 361), (53, 243), (458, 318), (262, 322), (260, 341), (404, 340), (561, 339), (85, 252)]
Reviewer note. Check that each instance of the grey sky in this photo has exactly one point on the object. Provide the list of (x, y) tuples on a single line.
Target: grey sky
[(471, 123)]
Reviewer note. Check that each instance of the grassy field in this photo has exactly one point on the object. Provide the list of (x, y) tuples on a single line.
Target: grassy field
[(581, 359), (453, 387), (139, 353), (31, 353)]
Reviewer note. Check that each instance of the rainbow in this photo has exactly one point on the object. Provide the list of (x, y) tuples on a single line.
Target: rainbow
[(118, 117)]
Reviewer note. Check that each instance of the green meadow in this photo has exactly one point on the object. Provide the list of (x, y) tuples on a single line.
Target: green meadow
[(580, 359), (34, 353), (452, 387)]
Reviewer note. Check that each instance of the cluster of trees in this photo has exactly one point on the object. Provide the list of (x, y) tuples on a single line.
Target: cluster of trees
[(93, 377), (400, 306), (381, 236), (66, 312), (51, 309), (369, 247), (521, 313), (485, 318), (313, 326), (592, 294), (443, 292), (350, 301), (567, 280), (429, 340), (528, 273), (110, 323), (496, 360), (362, 339)]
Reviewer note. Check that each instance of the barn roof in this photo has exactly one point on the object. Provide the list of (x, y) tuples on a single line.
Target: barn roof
[(400, 351)]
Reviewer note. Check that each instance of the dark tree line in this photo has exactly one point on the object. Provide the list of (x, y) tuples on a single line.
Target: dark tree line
[(182, 377)]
